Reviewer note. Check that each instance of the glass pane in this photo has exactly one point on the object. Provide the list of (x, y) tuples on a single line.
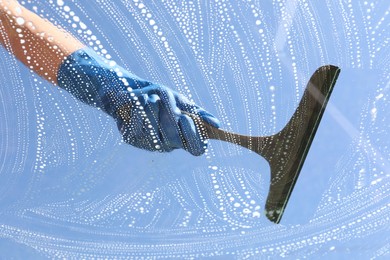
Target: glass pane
[(72, 188)]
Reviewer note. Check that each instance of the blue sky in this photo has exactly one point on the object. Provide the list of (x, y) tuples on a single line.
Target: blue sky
[(71, 187)]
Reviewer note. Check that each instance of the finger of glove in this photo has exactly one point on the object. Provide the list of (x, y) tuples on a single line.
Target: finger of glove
[(137, 130), (169, 114), (152, 111), (134, 133), (185, 105), (194, 143), (208, 118), (132, 129)]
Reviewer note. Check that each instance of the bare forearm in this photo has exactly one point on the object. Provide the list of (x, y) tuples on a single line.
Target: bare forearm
[(36, 42)]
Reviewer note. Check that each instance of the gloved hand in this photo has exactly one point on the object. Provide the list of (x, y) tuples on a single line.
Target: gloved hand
[(154, 120), (149, 116)]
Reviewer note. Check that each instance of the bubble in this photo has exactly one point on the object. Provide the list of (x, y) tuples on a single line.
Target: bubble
[(246, 211), (20, 20), (256, 214), (83, 26), (18, 10)]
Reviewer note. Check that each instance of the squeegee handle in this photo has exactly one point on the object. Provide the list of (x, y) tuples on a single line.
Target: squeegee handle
[(210, 132)]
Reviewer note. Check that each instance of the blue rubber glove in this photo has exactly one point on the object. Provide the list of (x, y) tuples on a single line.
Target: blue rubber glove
[(155, 121), (149, 116)]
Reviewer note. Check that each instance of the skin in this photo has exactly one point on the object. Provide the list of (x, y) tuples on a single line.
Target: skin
[(36, 42)]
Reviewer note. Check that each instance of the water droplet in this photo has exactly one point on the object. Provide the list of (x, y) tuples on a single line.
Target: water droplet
[(82, 25), (18, 10), (20, 20)]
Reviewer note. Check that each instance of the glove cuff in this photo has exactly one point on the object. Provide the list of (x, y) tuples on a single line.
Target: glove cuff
[(97, 81)]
